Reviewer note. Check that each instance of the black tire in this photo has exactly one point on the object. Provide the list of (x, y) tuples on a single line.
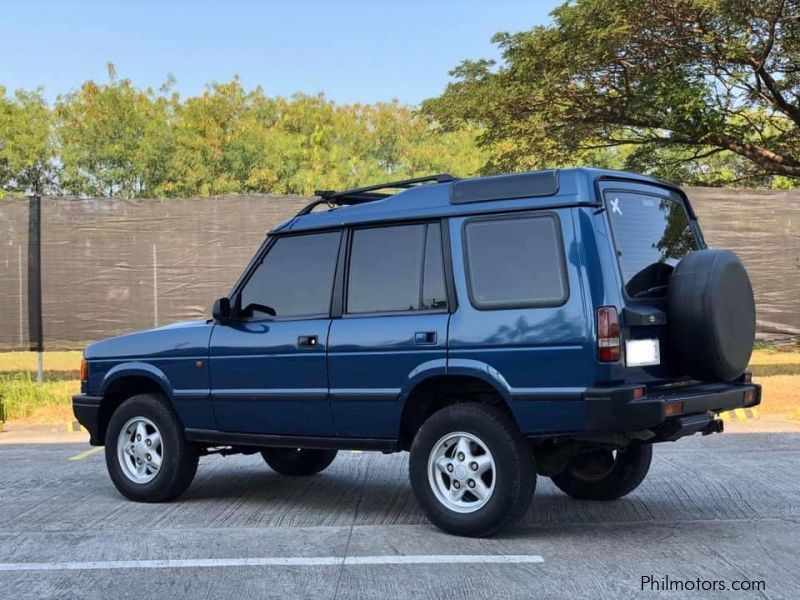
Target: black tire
[(514, 475), (711, 315), (180, 458), (599, 476), (298, 461)]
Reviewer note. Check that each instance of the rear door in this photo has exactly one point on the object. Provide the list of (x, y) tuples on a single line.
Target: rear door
[(393, 324), (652, 230)]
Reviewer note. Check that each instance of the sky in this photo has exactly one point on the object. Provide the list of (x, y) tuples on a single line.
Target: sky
[(352, 51)]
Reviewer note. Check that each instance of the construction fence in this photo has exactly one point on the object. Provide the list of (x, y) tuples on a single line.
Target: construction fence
[(110, 265)]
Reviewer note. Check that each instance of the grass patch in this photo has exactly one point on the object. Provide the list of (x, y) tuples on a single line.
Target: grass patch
[(780, 395), (776, 355), (68, 360), (22, 398)]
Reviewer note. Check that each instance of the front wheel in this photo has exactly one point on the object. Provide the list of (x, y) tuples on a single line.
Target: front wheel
[(147, 455), (471, 470), (605, 474), (298, 461)]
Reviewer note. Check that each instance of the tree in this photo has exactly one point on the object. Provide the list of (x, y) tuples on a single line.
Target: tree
[(678, 83), (115, 140), (27, 149), (229, 140)]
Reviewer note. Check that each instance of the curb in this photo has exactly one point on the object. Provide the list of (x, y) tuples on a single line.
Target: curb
[(739, 414), (58, 426)]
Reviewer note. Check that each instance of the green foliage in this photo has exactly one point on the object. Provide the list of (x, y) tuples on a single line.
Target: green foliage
[(27, 148), (113, 139), (704, 91)]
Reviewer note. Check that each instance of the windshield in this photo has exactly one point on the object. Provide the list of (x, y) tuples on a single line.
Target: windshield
[(652, 233)]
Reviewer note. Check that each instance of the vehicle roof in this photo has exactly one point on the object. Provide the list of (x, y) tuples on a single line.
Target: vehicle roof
[(575, 186)]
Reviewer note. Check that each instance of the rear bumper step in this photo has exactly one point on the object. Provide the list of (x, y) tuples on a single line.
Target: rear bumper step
[(614, 410)]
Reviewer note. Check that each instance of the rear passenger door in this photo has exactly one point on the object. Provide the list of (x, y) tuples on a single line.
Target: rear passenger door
[(393, 324)]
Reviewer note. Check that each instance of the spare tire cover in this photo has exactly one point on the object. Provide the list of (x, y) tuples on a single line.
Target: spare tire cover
[(711, 315)]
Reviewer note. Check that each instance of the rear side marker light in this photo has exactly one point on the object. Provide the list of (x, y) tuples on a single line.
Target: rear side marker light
[(638, 393), (672, 409), (749, 396), (608, 339)]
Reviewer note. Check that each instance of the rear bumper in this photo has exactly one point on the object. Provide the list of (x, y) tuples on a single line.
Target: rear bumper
[(693, 409), (87, 410)]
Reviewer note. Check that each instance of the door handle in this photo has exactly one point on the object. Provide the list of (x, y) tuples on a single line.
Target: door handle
[(425, 337), (307, 341)]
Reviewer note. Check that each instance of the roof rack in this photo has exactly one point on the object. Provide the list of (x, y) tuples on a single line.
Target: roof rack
[(369, 193)]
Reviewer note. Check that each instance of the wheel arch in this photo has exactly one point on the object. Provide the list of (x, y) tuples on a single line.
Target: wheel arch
[(125, 381), (441, 389)]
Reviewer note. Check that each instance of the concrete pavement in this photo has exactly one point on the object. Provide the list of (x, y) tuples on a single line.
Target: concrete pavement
[(723, 508)]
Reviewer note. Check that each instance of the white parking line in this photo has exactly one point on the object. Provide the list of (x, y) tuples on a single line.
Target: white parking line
[(277, 561)]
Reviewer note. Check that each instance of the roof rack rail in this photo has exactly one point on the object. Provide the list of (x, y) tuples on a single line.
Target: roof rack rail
[(369, 193)]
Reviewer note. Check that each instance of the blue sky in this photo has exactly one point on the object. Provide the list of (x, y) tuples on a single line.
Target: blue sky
[(353, 51)]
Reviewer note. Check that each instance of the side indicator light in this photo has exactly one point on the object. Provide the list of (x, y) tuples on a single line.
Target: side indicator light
[(84, 370), (673, 409), (638, 392)]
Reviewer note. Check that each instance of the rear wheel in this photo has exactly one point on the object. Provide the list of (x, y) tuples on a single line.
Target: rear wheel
[(298, 461), (471, 470), (147, 455), (605, 474)]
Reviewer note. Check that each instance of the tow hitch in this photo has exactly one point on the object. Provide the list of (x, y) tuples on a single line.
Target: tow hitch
[(716, 425), (673, 429)]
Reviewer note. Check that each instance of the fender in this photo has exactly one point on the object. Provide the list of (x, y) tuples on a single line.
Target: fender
[(137, 369), (420, 374), (484, 371)]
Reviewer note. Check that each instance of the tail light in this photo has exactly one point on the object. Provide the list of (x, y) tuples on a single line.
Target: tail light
[(84, 370), (608, 340)]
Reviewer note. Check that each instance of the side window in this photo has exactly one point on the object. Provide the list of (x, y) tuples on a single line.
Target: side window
[(515, 262), (394, 269), (295, 278)]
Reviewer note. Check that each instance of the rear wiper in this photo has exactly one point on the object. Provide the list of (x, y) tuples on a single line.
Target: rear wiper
[(650, 290)]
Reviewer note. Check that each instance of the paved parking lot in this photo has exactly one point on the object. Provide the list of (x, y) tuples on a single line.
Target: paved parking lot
[(725, 508)]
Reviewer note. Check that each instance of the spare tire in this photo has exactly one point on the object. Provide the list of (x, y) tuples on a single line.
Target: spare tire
[(711, 315)]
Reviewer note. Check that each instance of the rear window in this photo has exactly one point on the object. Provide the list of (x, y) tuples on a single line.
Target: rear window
[(515, 262), (651, 233)]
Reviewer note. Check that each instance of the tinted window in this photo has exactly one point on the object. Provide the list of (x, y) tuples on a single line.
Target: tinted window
[(652, 233), (434, 293), (396, 269), (515, 262), (296, 276)]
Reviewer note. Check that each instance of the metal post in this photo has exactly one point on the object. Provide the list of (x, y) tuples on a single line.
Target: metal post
[(155, 286), (21, 297), (35, 333)]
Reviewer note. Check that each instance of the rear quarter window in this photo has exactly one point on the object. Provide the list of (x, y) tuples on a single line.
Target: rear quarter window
[(515, 262)]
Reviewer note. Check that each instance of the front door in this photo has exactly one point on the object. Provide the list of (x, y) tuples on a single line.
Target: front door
[(268, 367)]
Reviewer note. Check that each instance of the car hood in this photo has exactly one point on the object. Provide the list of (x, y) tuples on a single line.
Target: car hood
[(188, 338)]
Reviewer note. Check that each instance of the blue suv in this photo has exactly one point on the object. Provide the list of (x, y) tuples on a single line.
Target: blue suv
[(556, 323)]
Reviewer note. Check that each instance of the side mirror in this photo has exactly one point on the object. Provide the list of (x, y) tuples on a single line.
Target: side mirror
[(222, 309)]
